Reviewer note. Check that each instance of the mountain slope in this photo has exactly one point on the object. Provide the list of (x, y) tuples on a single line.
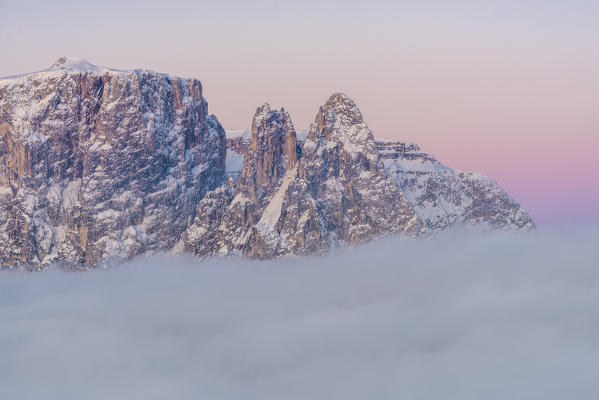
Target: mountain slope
[(289, 200), (99, 163), (443, 197)]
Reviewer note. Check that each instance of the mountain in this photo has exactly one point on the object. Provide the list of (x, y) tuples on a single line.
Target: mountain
[(444, 197), (100, 164), (292, 199), (440, 196)]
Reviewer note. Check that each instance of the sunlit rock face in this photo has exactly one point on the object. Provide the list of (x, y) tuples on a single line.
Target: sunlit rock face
[(245, 214), (288, 200), (272, 151), (343, 169), (99, 164), (356, 188), (443, 197)]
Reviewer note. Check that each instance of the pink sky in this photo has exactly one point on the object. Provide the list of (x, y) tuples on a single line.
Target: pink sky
[(509, 89)]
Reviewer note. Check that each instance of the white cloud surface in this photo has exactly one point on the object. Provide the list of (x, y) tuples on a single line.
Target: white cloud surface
[(459, 316)]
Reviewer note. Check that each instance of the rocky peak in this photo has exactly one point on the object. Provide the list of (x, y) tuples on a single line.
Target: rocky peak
[(339, 144), (341, 109), (284, 204), (443, 197), (101, 166), (340, 138), (272, 152), (78, 66), (97, 164), (341, 163)]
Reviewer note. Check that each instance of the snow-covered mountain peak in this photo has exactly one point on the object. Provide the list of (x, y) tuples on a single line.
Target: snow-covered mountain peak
[(80, 65), (64, 65), (262, 112), (99, 164), (339, 126), (72, 63), (266, 119), (344, 110)]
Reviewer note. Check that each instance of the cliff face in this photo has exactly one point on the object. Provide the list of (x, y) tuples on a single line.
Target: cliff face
[(443, 197), (229, 220), (333, 192), (343, 167), (98, 163), (272, 151)]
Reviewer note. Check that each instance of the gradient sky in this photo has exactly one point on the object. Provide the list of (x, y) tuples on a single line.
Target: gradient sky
[(509, 89)]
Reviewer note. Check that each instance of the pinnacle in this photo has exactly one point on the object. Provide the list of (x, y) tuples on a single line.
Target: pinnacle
[(264, 108), (344, 106), (339, 97)]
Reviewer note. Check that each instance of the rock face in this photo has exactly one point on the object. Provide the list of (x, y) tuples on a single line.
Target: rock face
[(333, 192), (272, 152), (99, 163), (227, 219), (357, 200), (443, 197)]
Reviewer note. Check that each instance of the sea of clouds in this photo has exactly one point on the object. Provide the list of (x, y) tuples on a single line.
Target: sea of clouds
[(457, 316)]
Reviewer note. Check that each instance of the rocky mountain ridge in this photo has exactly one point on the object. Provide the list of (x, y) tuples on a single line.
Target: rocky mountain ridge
[(332, 191), (441, 196), (100, 164)]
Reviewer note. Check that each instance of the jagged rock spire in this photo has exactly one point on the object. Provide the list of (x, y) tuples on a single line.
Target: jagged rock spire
[(343, 109), (272, 151), (341, 163)]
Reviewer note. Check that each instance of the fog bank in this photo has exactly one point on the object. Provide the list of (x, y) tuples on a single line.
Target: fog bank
[(457, 316)]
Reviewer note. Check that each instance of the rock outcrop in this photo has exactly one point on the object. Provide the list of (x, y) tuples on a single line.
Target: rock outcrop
[(272, 152), (226, 219), (290, 200), (444, 197), (357, 200), (99, 164)]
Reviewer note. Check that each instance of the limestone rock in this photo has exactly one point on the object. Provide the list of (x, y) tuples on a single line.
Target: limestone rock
[(444, 197), (290, 202), (99, 164)]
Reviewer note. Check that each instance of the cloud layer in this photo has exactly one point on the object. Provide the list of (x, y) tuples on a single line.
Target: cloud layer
[(459, 316)]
